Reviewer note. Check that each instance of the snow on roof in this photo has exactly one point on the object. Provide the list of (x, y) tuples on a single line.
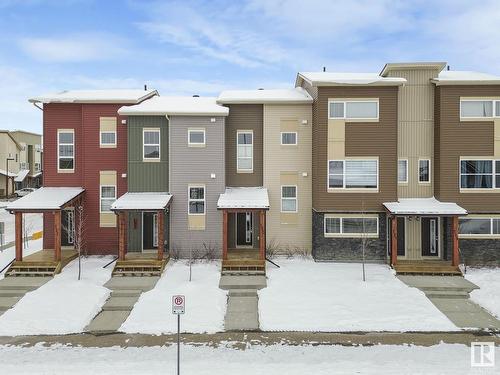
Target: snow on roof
[(11, 174), (45, 198), (95, 96), (424, 206), (176, 105), (142, 201), (346, 79), (465, 77), (21, 175), (244, 197), (294, 95)]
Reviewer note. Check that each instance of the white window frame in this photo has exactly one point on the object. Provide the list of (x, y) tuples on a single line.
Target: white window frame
[(479, 235), (144, 130), (418, 172), (59, 157), (296, 199), (494, 172), (495, 103), (197, 130), (405, 181), (344, 188), (349, 235), (38, 167), (238, 169), (106, 144), (204, 200), (358, 119), (289, 144), (101, 198)]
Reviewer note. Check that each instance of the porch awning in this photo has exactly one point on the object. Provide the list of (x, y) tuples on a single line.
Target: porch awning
[(244, 197), (148, 201), (424, 207), (45, 199), (21, 175)]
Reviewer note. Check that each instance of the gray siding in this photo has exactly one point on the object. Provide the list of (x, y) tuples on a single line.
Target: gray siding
[(194, 165), (146, 176)]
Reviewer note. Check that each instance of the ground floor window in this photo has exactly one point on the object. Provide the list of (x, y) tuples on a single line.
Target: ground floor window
[(479, 226), (351, 226)]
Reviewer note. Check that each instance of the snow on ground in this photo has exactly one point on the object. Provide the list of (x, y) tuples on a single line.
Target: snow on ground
[(254, 360), (7, 255), (64, 304), (306, 296), (488, 280), (205, 302), (33, 223)]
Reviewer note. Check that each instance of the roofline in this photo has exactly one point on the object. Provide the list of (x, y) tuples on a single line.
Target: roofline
[(265, 101), (412, 66), (26, 132), (18, 145), (332, 84), (163, 113), (447, 82), (97, 101)]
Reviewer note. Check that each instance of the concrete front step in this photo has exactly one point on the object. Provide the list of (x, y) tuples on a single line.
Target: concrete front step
[(242, 282), (18, 283), (119, 304), (447, 294), (242, 293), (126, 293), (107, 322), (128, 283)]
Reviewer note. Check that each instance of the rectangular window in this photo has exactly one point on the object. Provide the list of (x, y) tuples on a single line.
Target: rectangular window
[(289, 138), (351, 226), (196, 137), (424, 171), (479, 174), (244, 151), (108, 196), (151, 144), (66, 150), (196, 200), (402, 170), (483, 226), (38, 167), (353, 174), (108, 138), (353, 110), (288, 198), (477, 108)]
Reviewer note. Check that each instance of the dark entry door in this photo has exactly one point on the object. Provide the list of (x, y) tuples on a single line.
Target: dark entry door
[(430, 236), (149, 231), (68, 228), (401, 236), (244, 229)]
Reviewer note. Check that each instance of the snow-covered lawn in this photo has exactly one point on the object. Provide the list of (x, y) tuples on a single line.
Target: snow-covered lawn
[(488, 280), (7, 255), (306, 296), (254, 360), (33, 223), (64, 304), (205, 302)]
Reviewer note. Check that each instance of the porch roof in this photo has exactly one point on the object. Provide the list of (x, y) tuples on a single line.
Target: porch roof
[(147, 201), (424, 207), (45, 199), (21, 175), (244, 197)]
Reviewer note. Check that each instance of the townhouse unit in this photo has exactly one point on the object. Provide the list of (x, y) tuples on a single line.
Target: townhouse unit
[(401, 166)]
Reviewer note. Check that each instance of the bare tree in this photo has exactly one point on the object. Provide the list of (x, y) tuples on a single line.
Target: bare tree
[(363, 237), (78, 229)]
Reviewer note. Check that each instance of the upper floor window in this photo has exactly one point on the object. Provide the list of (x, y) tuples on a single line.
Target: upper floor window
[(196, 137), (478, 108), (402, 170), (480, 174), (244, 151), (196, 200), (289, 138), (66, 150), (108, 138), (424, 170), (353, 174), (353, 110), (108, 196), (289, 198), (151, 144)]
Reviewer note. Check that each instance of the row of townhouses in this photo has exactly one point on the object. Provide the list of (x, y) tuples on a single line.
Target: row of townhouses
[(402, 166)]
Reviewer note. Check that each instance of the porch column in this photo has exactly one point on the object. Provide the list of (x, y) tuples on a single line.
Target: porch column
[(394, 240), (161, 233), (454, 233), (57, 235), (19, 236), (121, 236), (224, 234), (262, 235)]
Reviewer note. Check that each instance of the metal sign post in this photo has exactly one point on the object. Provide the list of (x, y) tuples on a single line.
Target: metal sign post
[(2, 230), (178, 308)]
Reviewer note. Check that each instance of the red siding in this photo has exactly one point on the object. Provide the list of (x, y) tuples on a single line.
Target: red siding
[(89, 160)]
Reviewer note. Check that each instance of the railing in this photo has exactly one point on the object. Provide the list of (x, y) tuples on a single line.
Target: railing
[(270, 261), (114, 260), (7, 266)]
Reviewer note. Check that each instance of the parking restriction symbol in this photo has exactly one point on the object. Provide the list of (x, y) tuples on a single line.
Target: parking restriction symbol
[(178, 304)]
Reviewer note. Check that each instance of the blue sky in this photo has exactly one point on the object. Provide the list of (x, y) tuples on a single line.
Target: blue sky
[(203, 47)]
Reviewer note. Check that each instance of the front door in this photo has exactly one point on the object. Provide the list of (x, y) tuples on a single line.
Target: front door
[(68, 228), (244, 229), (149, 231), (430, 236)]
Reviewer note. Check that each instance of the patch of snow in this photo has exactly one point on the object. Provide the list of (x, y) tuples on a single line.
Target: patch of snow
[(64, 304), (463, 75), (334, 78), (424, 206), (306, 296), (244, 197), (142, 201), (95, 96), (7, 255), (46, 198), (176, 105), (294, 95), (488, 280), (205, 302), (21, 175)]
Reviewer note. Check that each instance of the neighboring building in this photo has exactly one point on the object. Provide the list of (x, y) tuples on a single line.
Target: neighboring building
[(10, 150), (30, 159)]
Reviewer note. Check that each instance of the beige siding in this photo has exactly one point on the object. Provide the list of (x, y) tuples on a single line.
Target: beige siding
[(287, 165)]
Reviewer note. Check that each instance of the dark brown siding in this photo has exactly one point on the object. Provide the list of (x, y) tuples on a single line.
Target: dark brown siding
[(462, 139), (361, 139), (244, 117)]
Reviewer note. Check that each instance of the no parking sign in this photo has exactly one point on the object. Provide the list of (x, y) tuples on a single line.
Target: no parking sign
[(178, 304)]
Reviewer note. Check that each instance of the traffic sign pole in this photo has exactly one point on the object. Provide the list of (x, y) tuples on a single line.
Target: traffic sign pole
[(178, 308), (178, 344)]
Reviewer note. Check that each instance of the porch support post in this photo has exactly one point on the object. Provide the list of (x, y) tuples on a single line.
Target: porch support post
[(454, 234), (57, 235), (394, 240), (224, 234), (121, 236), (19, 236), (161, 233), (262, 235)]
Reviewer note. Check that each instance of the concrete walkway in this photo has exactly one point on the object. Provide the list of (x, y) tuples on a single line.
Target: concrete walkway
[(125, 292), (243, 302), (12, 289), (450, 294)]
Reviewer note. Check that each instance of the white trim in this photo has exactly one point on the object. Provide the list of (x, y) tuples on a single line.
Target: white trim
[(344, 188), (341, 227), (429, 172), (494, 104), (196, 130), (238, 169), (494, 173), (289, 144), (357, 100), (204, 200), (406, 177), (65, 170), (296, 199), (144, 130), (490, 235), (107, 144), (107, 198)]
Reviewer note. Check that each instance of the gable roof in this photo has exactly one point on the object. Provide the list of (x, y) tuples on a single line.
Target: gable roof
[(130, 96), (176, 106), (318, 79), (458, 77), (295, 95)]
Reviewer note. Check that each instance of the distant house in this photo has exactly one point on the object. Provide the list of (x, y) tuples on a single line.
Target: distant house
[(10, 151), (30, 159)]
